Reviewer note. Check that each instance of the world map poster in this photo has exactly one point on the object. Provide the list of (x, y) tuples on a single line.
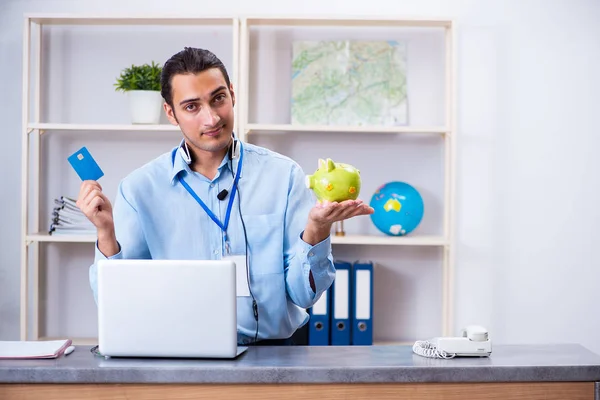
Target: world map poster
[(355, 83)]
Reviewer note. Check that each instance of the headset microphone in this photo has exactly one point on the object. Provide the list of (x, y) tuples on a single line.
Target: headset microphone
[(222, 194)]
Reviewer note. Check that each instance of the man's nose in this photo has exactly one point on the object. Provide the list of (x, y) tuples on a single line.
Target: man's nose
[(208, 117)]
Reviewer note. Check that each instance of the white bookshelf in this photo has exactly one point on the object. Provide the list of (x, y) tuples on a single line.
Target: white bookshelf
[(248, 129)]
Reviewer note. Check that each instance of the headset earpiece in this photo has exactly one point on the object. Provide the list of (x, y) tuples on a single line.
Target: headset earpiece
[(185, 153), (235, 149)]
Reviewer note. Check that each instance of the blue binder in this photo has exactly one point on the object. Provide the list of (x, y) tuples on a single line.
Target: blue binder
[(340, 304), (362, 309), (318, 325)]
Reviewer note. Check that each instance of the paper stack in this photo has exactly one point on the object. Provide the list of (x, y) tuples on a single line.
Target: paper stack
[(33, 349), (68, 219)]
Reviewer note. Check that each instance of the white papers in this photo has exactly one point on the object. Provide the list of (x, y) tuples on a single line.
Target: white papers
[(67, 219), (33, 349)]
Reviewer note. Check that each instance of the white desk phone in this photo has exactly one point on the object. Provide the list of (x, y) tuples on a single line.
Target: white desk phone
[(474, 342)]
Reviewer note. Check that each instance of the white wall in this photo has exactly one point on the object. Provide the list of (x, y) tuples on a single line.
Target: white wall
[(526, 211)]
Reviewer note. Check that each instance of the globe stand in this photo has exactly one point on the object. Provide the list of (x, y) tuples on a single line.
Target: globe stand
[(339, 228)]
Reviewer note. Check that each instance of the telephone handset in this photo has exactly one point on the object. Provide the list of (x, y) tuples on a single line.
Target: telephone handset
[(474, 342)]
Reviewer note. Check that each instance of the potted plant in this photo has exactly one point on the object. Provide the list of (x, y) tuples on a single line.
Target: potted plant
[(141, 83)]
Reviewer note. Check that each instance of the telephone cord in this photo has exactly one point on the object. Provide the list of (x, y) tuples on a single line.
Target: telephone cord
[(427, 349)]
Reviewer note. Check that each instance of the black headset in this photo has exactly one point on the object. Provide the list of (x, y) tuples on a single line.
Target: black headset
[(234, 152)]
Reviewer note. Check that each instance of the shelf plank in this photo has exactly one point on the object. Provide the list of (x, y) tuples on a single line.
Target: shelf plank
[(282, 128), (348, 239), (102, 127), (393, 343), (94, 341), (336, 21), (74, 19), (76, 341), (390, 240), (320, 20), (61, 238)]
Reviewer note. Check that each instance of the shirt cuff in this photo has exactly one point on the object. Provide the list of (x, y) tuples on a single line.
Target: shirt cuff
[(317, 259), (318, 251), (99, 256)]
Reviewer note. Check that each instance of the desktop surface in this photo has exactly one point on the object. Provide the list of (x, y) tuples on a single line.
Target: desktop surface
[(318, 364)]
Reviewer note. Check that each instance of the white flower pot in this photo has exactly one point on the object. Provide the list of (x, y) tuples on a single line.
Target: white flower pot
[(145, 106)]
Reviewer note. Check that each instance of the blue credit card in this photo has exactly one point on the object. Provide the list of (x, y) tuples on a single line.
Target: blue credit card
[(84, 164)]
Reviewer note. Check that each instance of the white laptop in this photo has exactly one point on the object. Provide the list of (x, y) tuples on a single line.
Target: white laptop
[(167, 308)]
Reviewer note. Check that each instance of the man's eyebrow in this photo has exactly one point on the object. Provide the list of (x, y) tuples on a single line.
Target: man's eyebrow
[(188, 100), (217, 90)]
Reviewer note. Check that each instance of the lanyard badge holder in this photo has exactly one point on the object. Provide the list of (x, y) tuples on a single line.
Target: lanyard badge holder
[(242, 288)]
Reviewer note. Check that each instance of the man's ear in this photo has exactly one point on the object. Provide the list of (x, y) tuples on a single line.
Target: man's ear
[(170, 113), (232, 93)]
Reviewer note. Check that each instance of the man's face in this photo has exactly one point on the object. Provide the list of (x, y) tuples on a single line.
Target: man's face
[(203, 109)]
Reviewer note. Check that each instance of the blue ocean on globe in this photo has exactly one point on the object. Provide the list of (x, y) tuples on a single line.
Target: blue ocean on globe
[(398, 208)]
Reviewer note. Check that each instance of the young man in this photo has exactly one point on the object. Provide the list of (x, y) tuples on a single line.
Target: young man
[(213, 196)]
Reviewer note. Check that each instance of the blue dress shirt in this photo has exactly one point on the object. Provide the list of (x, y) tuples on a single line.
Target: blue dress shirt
[(155, 217)]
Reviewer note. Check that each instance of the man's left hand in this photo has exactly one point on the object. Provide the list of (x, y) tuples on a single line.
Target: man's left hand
[(323, 215)]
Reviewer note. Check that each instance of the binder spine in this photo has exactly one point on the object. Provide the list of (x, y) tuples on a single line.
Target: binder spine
[(318, 325), (341, 305), (362, 316)]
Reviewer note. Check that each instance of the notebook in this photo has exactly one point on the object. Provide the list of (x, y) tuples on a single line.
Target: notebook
[(33, 349)]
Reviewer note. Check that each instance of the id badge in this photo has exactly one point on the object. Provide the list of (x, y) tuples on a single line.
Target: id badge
[(241, 277)]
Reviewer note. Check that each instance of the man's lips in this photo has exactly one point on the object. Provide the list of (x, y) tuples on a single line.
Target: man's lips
[(214, 132)]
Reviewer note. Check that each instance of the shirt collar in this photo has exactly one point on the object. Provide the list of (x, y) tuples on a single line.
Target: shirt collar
[(179, 164)]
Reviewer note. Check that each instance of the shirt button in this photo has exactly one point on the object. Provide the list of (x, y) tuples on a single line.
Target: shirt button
[(311, 254), (212, 185), (216, 252)]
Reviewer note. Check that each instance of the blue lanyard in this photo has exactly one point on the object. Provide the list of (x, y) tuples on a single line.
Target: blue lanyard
[(212, 216)]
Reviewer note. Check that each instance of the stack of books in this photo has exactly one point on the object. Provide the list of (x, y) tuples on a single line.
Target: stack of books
[(68, 219)]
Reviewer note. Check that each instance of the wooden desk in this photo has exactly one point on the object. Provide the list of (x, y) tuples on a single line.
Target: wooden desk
[(376, 372)]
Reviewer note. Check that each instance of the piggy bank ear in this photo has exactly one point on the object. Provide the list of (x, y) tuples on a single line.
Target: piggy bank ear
[(322, 163), (330, 165)]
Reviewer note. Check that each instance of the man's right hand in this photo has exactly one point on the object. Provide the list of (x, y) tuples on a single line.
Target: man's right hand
[(97, 208)]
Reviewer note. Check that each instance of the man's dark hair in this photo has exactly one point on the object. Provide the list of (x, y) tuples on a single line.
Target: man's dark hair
[(188, 61)]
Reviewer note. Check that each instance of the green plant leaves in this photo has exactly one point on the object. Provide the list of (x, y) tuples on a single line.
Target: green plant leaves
[(139, 77)]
